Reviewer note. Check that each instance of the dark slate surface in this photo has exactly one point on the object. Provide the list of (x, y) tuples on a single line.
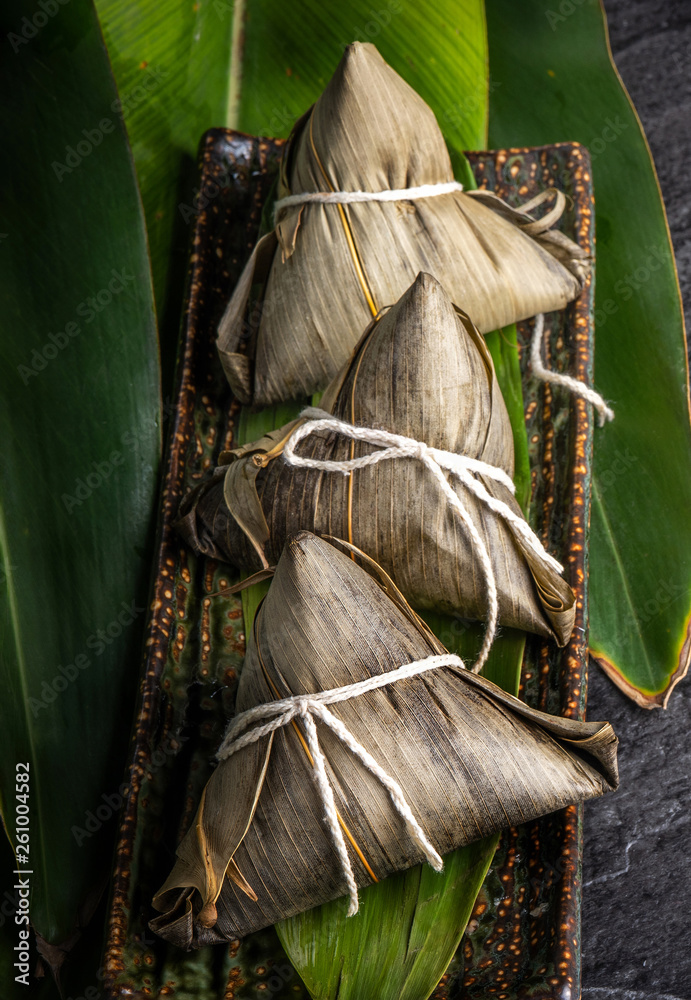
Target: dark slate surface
[(637, 863)]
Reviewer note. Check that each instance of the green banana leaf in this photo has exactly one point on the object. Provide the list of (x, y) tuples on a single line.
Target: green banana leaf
[(405, 955), (289, 52), (171, 61), (552, 78), (409, 927), (503, 346), (182, 67), (335, 956), (80, 444), (158, 108)]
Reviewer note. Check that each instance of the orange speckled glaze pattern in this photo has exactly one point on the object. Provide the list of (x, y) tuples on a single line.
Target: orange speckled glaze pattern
[(524, 937)]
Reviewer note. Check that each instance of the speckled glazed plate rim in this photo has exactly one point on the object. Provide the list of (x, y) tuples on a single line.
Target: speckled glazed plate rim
[(488, 959)]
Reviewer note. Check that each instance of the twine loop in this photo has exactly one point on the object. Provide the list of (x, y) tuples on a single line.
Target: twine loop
[(574, 385), (275, 715), (355, 197), (438, 463)]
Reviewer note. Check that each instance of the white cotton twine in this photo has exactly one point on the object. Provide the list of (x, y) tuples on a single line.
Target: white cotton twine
[(353, 197), (306, 707), (436, 461), (572, 384)]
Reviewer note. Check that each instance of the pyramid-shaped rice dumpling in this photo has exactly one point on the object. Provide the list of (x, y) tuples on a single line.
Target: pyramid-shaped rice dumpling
[(422, 370), (468, 758), (327, 269)]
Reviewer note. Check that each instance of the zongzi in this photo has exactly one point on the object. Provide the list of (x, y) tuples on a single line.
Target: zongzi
[(421, 370), (328, 268), (412, 757)]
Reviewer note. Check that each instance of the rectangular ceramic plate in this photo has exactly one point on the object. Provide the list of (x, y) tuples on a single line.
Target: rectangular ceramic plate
[(524, 937)]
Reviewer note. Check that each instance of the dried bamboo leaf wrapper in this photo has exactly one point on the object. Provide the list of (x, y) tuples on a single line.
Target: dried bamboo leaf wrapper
[(470, 758), (424, 371), (329, 268)]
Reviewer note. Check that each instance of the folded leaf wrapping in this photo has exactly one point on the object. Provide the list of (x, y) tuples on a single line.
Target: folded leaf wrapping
[(469, 758), (423, 371), (327, 269)]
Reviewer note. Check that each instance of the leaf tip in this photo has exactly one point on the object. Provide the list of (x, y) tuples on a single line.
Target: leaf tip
[(643, 698)]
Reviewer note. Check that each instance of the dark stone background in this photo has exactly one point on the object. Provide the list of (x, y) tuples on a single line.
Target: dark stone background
[(637, 863)]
